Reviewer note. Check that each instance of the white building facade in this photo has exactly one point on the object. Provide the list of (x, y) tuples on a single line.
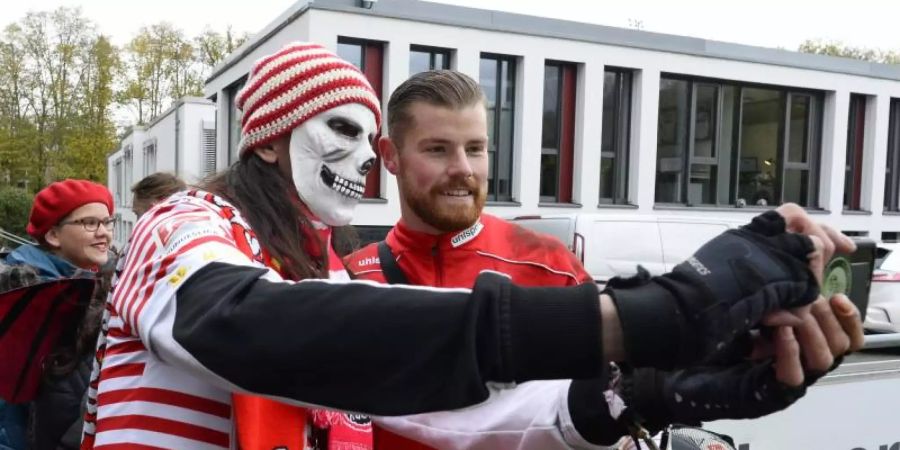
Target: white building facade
[(588, 118), (181, 141)]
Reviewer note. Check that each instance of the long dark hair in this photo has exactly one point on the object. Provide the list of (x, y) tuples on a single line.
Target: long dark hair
[(262, 194)]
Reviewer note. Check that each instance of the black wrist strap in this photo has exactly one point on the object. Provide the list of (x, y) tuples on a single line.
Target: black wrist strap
[(389, 266)]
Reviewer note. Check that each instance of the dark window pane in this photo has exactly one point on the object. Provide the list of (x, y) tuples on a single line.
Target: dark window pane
[(610, 97), (419, 62), (727, 146), (508, 90), (892, 172), (441, 61), (796, 185), (422, 59), (760, 132), (497, 79), (671, 139), (607, 165), (487, 78), (549, 175), (705, 121), (856, 125), (615, 136), (351, 52), (551, 116), (799, 129), (702, 188)]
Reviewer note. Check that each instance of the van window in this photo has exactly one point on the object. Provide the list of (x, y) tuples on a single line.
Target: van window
[(558, 227), (616, 247), (680, 239)]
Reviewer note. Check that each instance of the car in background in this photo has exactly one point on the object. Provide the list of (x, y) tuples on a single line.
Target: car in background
[(883, 313), (610, 245)]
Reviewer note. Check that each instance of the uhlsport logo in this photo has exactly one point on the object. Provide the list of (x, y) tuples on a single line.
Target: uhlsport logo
[(466, 235), (370, 261)]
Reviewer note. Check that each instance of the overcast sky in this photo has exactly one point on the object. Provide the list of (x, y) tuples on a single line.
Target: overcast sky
[(769, 23)]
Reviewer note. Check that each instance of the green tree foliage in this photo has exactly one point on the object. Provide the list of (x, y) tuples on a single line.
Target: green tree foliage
[(213, 47), (15, 205), (61, 81), (837, 48)]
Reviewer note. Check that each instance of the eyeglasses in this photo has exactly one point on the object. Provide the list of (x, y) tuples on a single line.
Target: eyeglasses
[(91, 224)]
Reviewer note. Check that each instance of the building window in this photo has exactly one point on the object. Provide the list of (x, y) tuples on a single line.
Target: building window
[(558, 132), (234, 120), (149, 158), (615, 136), (120, 182), (498, 81), (892, 170), (129, 174), (368, 56), (422, 59), (856, 126), (721, 143)]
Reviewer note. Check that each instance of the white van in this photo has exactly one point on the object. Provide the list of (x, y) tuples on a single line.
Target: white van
[(614, 244)]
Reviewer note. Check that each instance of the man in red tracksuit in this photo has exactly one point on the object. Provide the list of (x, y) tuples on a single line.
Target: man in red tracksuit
[(438, 149)]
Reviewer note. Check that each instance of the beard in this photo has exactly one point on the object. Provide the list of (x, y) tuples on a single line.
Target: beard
[(431, 208)]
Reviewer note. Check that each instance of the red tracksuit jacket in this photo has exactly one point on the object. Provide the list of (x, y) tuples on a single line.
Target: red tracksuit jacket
[(454, 260)]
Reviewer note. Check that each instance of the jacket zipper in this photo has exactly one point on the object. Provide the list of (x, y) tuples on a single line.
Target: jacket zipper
[(438, 267)]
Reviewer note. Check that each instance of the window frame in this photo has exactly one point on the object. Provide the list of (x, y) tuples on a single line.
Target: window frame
[(622, 136), (564, 150), (813, 144), (496, 195), (432, 52), (892, 167)]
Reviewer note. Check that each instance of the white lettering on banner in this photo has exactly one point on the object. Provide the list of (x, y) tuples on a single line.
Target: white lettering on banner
[(370, 261), (467, 235)]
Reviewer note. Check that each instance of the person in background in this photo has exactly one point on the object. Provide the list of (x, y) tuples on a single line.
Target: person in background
[(71, 221), (153, 189)]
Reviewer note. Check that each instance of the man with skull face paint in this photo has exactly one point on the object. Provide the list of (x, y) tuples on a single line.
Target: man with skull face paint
[(437, 150), (236, 289)]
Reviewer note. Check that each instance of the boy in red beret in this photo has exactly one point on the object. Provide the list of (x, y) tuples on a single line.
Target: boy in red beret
[(72, 224), (71, 221)]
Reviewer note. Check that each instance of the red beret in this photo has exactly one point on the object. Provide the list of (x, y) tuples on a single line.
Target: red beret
[(56, 201)]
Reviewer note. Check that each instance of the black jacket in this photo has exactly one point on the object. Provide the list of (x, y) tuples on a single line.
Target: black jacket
[(58, 410)]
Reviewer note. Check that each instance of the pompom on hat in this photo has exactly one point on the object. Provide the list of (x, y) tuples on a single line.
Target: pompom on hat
[(295, 84), (55, 202)]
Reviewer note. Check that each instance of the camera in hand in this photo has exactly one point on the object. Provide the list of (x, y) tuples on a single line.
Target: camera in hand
[(852, 274)]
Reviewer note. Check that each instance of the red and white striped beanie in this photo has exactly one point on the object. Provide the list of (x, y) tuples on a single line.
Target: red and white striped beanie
[(295, 84)]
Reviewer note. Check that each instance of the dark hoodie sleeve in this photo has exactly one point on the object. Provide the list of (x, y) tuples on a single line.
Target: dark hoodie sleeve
[(384, 350)]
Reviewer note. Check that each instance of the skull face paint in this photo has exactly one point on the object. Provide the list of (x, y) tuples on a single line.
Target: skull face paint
[(331, 154)]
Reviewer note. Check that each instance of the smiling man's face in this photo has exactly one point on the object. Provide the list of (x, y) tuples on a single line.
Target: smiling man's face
[(441, 164)]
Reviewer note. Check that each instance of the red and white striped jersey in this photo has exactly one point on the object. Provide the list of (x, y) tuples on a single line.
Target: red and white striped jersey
[(134, 395)]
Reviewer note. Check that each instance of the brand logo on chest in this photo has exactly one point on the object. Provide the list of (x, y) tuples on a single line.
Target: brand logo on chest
[(467, 235)]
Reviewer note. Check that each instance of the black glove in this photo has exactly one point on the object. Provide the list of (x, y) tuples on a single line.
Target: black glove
[(684, 317), (655, 399), (745, 391), (16, 276)]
